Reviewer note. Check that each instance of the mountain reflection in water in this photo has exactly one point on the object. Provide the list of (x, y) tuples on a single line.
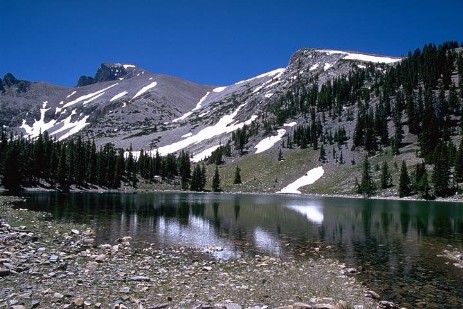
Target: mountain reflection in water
[(395, 243)]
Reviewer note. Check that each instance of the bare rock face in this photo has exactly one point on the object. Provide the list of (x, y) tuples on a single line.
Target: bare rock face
[(108, 72)]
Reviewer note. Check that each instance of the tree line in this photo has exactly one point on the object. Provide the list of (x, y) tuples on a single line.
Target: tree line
[(26, 162), (441, 180)]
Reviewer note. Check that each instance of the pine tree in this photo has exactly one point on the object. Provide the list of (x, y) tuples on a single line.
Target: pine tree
[(130, 168), (367, 186), (422, 186), (280, 155), (322, 156), (203, 177), (441, 171), (216, 180), (386, 177), (12, 174), (404, 181), (237, 179), (459, 163), (62, 172)]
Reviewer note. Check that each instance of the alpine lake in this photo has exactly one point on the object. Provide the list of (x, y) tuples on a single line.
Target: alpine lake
[(395, 246)]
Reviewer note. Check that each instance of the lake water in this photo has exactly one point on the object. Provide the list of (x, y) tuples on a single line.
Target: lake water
[(394, 243)]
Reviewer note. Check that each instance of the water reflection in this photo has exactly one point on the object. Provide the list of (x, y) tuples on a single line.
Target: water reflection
[(313, 210), (395, 242)]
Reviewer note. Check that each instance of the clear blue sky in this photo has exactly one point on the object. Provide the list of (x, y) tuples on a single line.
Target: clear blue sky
[(207, 41)]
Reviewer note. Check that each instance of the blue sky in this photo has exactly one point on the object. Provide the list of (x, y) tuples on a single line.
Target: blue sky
[(205, 41)]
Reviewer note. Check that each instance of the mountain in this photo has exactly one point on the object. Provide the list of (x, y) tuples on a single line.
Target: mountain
[(325, 108), (124, 104)]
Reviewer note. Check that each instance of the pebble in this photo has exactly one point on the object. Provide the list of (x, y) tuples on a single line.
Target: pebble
[(64, 265)]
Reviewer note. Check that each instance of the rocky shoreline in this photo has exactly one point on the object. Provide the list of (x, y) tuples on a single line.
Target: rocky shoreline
[(47, 264)]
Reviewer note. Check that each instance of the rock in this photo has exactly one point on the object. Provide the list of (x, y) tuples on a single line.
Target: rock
[(140, 278), (232, 306), (373, 294), (35, 303), (78, 302), (88, 241), (100, 258), (160, 306), (207, 268), (4, 272), (18, 307), (87, 303), (74, 231), (342, 305), (91, 266), (124, 289), (387, 305), (302, 306), (105, 246), (323, 306), (53, 258), (58, 295)]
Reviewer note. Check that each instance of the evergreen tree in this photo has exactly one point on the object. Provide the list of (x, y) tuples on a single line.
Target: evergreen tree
[(404, 181), (367, 185), (12, 174), (459, 163), (195, 184), (237, 179), (322, 156), (62, 172), (422, 186), (441, 172), (386, 177), (184, 169), (130, 168), (203, 177), (216, 180)]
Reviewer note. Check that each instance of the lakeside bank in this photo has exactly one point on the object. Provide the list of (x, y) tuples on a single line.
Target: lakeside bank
[(47, 264)]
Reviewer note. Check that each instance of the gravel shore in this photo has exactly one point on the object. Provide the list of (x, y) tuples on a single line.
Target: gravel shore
[(45, 264)]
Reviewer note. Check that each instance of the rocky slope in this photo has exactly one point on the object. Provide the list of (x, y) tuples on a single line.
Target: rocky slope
[(127, 105)]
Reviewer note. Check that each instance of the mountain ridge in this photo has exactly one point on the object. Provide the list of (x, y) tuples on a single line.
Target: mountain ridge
[(327, 106)]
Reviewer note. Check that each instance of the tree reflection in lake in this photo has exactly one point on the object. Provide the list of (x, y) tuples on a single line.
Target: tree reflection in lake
[(396, 243)]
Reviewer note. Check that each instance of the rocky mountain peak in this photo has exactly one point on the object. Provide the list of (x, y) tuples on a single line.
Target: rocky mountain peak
[(109, 72)]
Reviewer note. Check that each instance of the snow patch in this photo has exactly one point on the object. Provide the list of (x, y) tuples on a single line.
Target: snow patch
[(370, 58), (73, 93), (224, 125), (119, 95), (361, 57), (144, 89), (327, 66), (269, 74), (219, 89), (314, 67), (268, 142), (187, 135), (88, 96), (312, 176), (70, 127), (126, 66), (268, 95), (204, 154), (198, 106), (38, 125), (291, 124)]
